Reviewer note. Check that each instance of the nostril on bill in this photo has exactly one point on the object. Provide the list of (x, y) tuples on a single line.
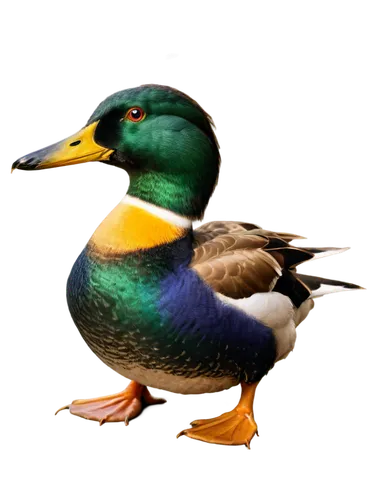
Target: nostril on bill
[(75, 143)]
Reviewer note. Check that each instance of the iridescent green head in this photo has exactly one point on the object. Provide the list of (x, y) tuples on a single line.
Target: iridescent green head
[(160, 136)]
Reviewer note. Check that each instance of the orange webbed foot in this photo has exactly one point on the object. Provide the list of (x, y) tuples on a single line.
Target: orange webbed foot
[(120, 407), (232, 428)]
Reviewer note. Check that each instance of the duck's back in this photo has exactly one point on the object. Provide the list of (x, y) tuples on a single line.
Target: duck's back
[(150, 317)]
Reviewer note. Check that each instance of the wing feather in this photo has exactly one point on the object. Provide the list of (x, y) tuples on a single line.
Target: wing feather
[(238, 259)]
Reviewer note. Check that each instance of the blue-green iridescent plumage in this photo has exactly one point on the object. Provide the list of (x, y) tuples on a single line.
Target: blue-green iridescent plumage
[(152, 311)]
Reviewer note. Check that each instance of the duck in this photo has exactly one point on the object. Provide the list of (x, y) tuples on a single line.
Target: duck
[(189, 311)]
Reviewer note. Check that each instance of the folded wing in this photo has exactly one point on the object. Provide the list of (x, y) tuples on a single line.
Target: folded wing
[(238, 259)]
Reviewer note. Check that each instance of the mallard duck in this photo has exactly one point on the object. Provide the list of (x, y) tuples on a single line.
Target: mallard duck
[(166, 306)]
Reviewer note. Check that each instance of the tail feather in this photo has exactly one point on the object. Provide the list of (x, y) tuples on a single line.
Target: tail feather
[(295, 255), (300, 287), (322, 286), (322, 252)]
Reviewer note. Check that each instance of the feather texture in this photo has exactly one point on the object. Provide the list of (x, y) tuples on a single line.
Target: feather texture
[(238, 259)]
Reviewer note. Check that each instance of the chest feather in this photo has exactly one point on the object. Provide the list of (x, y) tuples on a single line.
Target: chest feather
[(129, 228)]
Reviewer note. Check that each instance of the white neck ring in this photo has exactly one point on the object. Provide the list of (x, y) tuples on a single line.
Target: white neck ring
[(162, 213)]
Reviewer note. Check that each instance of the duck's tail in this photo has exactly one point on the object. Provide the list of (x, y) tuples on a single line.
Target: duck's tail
[(300, 287), (315, 287), (322, 286)]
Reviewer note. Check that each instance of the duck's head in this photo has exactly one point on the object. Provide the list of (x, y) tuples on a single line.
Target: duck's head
[(160, 136)]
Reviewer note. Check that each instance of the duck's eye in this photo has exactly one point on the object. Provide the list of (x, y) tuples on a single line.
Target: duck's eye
[(135, 114)]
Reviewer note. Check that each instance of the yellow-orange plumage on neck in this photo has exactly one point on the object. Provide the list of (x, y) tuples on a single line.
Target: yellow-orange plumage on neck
[(130, 228)]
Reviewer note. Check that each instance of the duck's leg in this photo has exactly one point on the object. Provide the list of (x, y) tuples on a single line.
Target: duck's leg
[(120, 407), (235, 427)]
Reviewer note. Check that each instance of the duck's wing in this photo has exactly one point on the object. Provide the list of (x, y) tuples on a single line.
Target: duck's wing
[(211, 230), (237, 265), (238, 260)]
